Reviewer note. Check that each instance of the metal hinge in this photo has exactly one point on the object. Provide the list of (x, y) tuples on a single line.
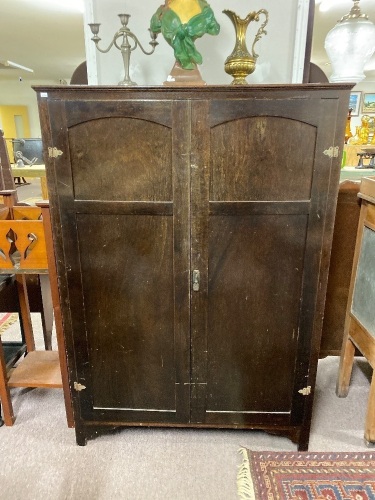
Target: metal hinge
[(305, 391), (332, 152), (54, 152), (78, 387)]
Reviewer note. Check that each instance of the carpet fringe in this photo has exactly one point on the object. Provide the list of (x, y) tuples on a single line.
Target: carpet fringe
[(245, 486), (6, 320)]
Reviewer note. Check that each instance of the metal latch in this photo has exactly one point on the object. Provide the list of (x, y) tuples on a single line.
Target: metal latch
[(54, 152), (196, 280), (78, 387), (332, 152), (305, 391)]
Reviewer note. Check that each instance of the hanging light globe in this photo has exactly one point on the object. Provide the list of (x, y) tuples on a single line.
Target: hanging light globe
[(350, 45)]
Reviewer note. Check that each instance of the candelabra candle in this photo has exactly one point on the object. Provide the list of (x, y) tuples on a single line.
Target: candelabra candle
[(129, 43)]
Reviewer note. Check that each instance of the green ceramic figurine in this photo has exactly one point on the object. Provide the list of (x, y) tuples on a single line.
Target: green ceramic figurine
[(181, 22)]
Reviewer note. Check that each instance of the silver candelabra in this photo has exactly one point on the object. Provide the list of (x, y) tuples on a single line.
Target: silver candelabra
[(126, 47)]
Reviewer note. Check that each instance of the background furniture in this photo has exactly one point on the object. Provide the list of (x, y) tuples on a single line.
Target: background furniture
[(11, 351), (39, 293), (24, 250), (342, 254), (352, 158), (360, 316), (38, 287), (352, 173), (192, 262), (340, 268), (33, 171)]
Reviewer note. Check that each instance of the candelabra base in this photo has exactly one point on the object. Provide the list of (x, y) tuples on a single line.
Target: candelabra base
[(127, 83)]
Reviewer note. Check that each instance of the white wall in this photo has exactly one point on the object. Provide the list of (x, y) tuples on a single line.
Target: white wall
[(16, 93), (276, 49)]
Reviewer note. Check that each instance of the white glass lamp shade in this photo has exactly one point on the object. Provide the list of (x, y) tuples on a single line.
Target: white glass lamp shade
[(349, 46)]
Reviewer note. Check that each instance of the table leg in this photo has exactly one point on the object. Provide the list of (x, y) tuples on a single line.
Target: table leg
[(43, 183), (370, 417)]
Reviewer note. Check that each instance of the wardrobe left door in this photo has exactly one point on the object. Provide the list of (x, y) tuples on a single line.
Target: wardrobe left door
[(119, 191)]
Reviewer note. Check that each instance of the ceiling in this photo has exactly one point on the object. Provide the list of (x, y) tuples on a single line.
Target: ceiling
[(48, 37), (45, 36)]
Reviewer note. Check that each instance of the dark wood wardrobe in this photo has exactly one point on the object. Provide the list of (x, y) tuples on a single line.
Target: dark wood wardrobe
[(192, 231)]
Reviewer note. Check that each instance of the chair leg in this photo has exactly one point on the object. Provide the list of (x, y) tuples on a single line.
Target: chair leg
[(345, 369), (370, 417), (4, 391), (25, 312), (47, 312)]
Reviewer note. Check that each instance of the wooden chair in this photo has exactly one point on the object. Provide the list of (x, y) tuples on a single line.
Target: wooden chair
[(12, 350), (38, 286), (40, 300), (26, 247), (359, 330)]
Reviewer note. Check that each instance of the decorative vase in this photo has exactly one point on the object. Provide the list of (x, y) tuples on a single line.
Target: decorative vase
[(348, 132), (241, 62), (355, 139)]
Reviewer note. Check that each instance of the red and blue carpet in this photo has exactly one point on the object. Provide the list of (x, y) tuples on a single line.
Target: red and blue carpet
[(7, 319), (306, 475)]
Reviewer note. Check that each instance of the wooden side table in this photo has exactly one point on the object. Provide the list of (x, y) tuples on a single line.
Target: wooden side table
[(366, 156), (359, 330), (33, 171), (27, 247)]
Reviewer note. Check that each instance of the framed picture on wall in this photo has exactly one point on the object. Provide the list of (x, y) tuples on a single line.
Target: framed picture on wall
[(354, 102), (368, 105)]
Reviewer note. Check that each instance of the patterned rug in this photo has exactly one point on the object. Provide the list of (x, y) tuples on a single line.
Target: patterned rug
[(7, 319), (304, 476)]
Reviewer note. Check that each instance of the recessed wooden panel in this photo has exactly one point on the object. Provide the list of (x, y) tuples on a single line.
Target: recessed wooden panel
[(121, 159), (253, 311), (128, 296), (262, 158)]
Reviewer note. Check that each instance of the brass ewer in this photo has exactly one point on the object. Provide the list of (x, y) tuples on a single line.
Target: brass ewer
[(241, 62)]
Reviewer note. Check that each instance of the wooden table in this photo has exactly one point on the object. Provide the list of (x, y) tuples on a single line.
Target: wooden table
[(352, 157), (355, 174), (33, 171)]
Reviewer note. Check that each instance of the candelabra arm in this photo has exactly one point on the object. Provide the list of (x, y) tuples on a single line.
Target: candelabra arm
[(153, 42), (103, 51), (125, 45), (137, 43)]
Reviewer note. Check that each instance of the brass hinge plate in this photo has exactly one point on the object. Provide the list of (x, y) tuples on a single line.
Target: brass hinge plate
[(305, 391), (78, 387), (332, 152), (54, 152)]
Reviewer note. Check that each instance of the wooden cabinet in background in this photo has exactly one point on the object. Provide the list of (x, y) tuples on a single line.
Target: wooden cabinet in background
[(192, 229), (340, 269)]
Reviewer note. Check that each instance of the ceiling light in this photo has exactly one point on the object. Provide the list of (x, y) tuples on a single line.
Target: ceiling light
[(350, 45), (13, 65)]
